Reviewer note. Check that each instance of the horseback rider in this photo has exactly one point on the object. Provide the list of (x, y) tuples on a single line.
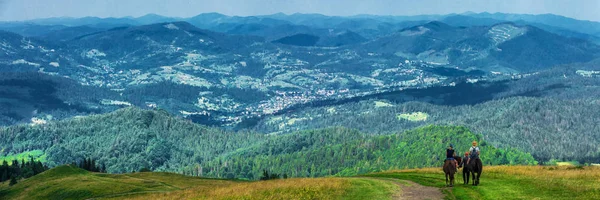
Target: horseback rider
[(474, 152), (450, 155)]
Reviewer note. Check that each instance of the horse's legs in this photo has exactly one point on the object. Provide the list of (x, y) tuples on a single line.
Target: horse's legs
[(473, 174), (478, 175), (447, 178), (451, 180)]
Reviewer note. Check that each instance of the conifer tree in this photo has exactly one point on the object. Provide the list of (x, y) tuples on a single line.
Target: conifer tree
[(13, 180)]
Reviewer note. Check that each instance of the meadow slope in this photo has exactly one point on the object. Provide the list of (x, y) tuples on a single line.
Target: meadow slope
[(498, 182)]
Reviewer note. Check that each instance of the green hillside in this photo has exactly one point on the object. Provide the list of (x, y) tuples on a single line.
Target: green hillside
[(125, 140), (67, 182), (544, 127), (345, 152), (130, 139), (497, 182), (512, 182)]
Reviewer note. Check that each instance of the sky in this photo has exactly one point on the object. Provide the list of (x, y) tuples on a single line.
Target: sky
[(17, 10)]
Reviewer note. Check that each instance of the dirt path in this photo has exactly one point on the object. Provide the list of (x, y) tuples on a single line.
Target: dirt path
[(410, 190)]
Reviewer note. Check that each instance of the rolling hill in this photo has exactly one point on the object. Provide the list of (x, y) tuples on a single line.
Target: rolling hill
[(67, 182), (348, 107), (38, 98), (130, 139), (216, 72), (504, 47), (132, 45), (501, 182), (582, 26)]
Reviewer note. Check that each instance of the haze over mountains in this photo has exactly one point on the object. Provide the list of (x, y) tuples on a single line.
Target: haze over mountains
[(528, 82), (266, 55)]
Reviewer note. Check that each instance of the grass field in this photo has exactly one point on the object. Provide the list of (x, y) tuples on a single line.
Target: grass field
[(415, 117), (68, 182), (37, 155), (513, 182), (497, 182)]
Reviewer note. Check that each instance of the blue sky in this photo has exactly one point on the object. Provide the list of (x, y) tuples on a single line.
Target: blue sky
[(30, 9)]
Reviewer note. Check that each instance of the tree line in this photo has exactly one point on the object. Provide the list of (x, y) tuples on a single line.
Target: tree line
[(131, 139), (19, 170)]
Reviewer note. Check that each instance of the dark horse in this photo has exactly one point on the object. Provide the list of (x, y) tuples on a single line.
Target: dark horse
[(450, 170), (476, 167)]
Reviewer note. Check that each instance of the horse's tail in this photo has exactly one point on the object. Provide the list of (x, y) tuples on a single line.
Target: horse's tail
[(479, 165)]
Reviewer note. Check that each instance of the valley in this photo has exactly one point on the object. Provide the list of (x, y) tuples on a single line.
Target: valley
[(223, 68), (298, 106)]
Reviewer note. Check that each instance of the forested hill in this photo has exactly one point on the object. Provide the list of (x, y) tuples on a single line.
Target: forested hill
[(341, 151), (125, 140), (130, 139)]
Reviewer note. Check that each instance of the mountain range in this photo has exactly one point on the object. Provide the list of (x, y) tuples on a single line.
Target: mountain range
[(524, 82)]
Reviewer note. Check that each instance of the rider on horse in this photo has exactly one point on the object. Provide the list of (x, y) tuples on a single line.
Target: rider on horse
[(474, 152), (450, 165), (450, 154), (474, 163)]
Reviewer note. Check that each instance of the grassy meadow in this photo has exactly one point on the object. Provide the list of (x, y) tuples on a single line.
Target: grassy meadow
[(415, 117), (37, 155), (497, 182), (68, 182), (512, 182)]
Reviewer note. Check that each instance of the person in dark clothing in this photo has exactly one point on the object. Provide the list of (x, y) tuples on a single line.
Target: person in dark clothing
[(450, 155), (465, 167)]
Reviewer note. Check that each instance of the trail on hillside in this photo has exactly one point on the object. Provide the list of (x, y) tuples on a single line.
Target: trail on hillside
[(413, 191)]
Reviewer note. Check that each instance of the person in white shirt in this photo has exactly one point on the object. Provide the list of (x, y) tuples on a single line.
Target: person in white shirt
[(474, 152)]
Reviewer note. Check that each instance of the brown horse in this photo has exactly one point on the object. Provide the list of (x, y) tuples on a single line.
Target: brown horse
[(450, 170), (476, 167)]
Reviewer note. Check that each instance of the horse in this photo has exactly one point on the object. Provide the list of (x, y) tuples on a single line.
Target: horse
[(476, 167), (450, 170)]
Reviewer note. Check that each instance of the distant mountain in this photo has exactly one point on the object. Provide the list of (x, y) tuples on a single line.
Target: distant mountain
[(299, 40), (474, 20), (25, 53), (369, 26), (29, 29), (277, 74), (464, 20), (582, 26), (154, 19), (326, 40), (206, 20), (502, 47), (259, 66), (69, 33), (273, 32), (538, 49), (87, 21), (342, 38), (37, 98), (166, 41)]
